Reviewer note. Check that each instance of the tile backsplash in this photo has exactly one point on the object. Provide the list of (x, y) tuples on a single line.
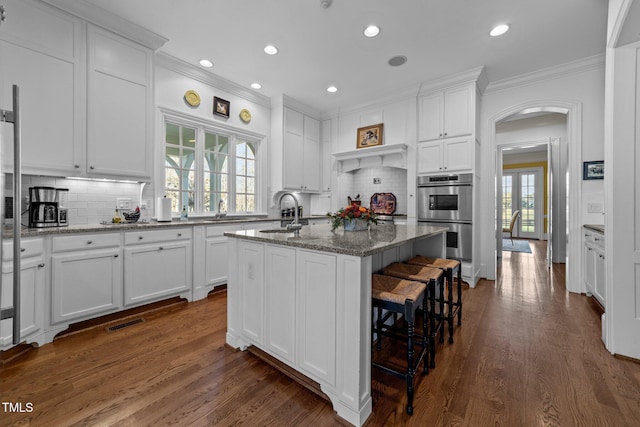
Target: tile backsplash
[(90, 202), (388, 180)]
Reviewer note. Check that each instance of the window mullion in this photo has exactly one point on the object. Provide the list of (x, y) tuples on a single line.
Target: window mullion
[(232, 173), (199, 170)]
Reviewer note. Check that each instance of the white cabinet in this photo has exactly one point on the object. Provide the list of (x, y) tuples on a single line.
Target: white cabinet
[(157, 265), (48, 66), (216, 256), (280, 295), (594, 264), (86, 276), (32, 291), (296, 163), (448, 155), (252, 277), (315, 319), (446, 114), (118, 106), (327, 159)]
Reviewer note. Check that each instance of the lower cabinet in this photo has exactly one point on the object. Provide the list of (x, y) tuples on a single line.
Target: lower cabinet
[(32, 290), (86, 276), (280, 275), (157, 265), (594, 265)]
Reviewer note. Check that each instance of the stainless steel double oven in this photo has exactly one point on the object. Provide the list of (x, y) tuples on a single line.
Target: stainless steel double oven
[(447, 201)]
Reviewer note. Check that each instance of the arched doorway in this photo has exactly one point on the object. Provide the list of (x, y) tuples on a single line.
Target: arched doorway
[(573, 111)]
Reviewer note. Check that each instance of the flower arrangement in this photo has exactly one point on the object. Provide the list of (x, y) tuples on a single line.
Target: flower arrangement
[(351, 213)]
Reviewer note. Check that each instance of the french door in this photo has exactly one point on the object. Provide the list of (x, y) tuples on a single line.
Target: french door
[(523, 189)]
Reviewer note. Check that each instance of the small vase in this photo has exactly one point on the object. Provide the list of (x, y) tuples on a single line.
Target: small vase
[(356, 225)]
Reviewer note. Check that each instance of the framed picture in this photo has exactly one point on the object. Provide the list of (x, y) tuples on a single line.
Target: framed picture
[(369, 136), (593, 170), (221, 107)]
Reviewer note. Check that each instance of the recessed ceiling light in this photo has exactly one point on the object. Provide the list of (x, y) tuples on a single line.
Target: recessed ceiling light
[(270, 49), (206, 63), (397, 61), (499, 30), (332, 89), (256, 85), (371, 31)]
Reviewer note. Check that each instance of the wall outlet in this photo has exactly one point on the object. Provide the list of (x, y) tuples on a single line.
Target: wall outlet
[(377, 180), (123, 203)]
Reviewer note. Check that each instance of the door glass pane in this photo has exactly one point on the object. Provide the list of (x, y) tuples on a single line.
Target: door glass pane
[(507, 197), (528, 200)]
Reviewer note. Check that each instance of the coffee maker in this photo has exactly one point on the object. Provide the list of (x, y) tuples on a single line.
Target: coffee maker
[(43, 207)]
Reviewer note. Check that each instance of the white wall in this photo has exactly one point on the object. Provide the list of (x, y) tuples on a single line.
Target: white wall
[(585, 88)]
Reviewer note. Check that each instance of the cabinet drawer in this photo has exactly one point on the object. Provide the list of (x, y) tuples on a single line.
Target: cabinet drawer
[(594, 238), (219, 230), (154, 236), (85, 241), (28, 248)]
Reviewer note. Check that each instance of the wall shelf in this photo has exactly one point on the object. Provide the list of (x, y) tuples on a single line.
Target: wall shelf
[(394, 155)]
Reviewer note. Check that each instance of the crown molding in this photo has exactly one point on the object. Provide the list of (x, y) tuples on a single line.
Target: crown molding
[(578, 66), (474, 75), (191, 71), (108, 20)]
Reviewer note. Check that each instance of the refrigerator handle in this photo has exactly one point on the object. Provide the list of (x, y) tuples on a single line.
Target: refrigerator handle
[(14, 117)]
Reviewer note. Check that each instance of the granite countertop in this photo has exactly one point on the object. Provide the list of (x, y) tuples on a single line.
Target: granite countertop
[(357, 243), (7, 232), (595, 227)]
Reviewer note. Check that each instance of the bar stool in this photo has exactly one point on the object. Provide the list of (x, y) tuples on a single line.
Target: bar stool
[(430, 277), (450, 267), (404, 297)]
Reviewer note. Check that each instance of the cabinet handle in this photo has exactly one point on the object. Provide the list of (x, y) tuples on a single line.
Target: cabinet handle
[(91, 167), (161, 248), (115, 256), (179, 234), (445, 134), (140, 237), (22, 249), (588, 249), (40, 265), (89, 242), (445, 168), (601, 256), (76, 166), (440, 135), (596, 239)]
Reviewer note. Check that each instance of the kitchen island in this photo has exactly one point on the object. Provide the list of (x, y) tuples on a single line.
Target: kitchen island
[(306, 300)]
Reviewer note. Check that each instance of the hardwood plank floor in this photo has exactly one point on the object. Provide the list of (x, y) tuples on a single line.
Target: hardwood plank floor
[(528, 353)]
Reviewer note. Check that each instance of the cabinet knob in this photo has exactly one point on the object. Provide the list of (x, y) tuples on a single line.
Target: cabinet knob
[(440, 135), (41, 265), (22, 249), (76, 166), (445, 134), (91, 167), (161, 248), (115, 256), (140, 237), (179, 234), (89, 242)]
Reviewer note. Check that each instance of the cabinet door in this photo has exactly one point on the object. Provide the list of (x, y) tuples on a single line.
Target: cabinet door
[(31, 301), (217, 260), (430, 117), (316, 335), (458, 114), (325, 146), (281, 301), (293, 145), (46, 65), (430, 157), (85, 284), (599, 277), (119, 102), (251, 278), (154, 272), (589, 269), (457, 154), (311, 155)]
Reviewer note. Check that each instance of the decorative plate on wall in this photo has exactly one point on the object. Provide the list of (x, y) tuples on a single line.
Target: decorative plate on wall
[(245, 115), (192, 98), (383, 203)]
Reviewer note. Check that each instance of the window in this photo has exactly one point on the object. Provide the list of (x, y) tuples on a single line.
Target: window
[(206, 169)]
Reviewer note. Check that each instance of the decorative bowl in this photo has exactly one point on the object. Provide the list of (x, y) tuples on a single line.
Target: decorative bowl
[(131, 216)]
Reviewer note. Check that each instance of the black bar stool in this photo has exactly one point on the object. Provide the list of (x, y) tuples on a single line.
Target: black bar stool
[(430, 277), (403, 297), (450, 267)]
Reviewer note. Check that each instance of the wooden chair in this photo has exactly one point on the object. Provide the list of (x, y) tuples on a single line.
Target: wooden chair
[(509, 230)]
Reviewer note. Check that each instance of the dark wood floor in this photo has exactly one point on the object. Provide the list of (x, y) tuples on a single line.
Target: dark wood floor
[(528, 353)]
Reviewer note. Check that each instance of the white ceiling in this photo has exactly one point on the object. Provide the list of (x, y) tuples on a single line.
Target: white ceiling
[(319, 47)]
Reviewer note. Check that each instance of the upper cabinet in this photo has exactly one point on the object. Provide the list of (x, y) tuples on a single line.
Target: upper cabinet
[(447, 123), (119, 99), (295, 151), (47, 65), (446, 114), (85, 94)]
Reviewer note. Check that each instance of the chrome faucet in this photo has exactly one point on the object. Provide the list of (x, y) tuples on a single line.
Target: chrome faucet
[(295, 225), (220, 214)]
